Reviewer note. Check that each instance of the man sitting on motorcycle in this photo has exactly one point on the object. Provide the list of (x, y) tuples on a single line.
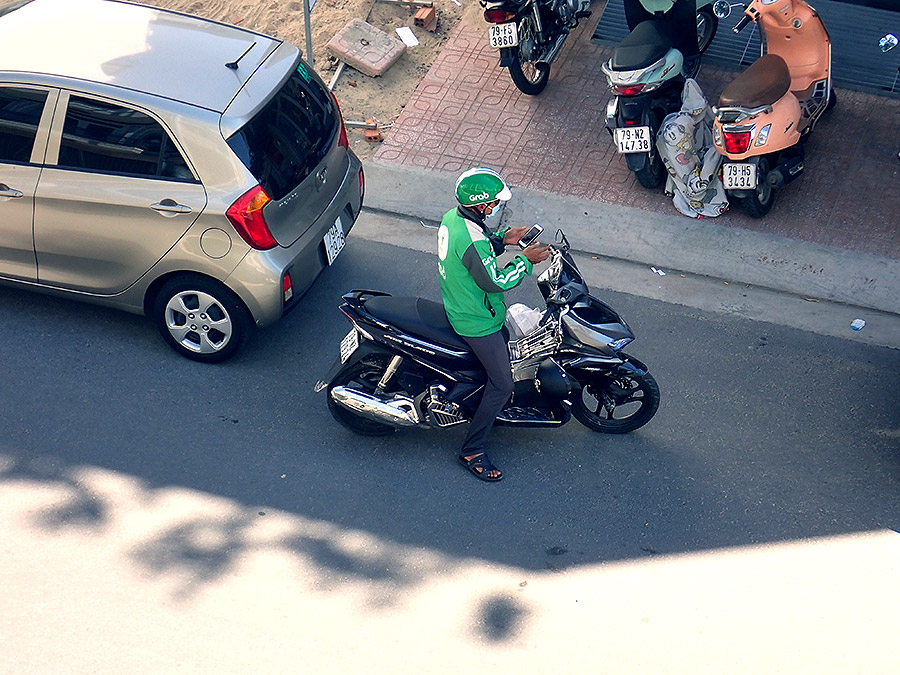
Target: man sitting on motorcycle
[(472, 287)]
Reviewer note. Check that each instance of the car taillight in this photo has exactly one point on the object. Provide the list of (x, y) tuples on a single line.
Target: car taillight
[(344, 141), (628, 89), (498, 15), (287, 288), (247, 217), (736, 142), (362, 184)]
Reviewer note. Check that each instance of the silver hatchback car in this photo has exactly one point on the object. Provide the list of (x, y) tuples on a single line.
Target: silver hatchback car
[(164, 164)]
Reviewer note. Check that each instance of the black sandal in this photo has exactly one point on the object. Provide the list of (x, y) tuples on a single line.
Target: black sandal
[(481, 467)]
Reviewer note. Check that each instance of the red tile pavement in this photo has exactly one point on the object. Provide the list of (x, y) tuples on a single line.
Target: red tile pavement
[(467, 112)]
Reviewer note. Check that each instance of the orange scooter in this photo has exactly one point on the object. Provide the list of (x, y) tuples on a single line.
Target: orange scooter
[(765, 114)]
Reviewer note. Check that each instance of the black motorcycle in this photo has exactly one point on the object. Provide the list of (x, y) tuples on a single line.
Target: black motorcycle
[(402, 365), (529, 36)]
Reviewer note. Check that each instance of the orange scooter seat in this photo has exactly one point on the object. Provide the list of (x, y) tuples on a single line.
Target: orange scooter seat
[(763, 83)]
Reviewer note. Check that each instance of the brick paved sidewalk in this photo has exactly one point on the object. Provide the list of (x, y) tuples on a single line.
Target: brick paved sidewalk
[(466, 111)]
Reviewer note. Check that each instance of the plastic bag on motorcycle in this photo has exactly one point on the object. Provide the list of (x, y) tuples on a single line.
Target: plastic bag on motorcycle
[(685, 145)]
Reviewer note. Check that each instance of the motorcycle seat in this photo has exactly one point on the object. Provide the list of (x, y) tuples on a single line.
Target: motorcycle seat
[(763, 83), (416, 316), (642, 47)]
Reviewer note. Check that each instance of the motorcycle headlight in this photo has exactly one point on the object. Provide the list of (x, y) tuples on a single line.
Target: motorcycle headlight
[(616, 345)]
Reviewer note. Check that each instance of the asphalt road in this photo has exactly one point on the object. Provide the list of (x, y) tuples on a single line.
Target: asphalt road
[(158, 515), (765, 434)]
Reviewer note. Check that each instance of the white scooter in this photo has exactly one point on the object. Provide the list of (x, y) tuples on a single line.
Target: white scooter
[(647, 72)]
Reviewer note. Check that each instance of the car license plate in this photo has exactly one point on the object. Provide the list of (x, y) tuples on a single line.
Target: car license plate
[(334, 240), (632, 139), (503, 35), (349, 344), (739, 176)]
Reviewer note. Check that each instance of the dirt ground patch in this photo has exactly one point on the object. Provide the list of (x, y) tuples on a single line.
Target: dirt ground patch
[(361, 97)]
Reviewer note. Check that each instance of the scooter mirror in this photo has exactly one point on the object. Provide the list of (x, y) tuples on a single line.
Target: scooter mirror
[(888, 42), (722, 8)]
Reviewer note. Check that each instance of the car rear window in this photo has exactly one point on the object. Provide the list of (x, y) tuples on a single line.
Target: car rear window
[(287, 139)]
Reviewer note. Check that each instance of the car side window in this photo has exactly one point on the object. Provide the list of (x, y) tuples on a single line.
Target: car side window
[(107, 138), (20, 114)]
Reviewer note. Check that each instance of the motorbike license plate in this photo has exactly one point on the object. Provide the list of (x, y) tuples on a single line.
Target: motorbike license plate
[(739, 176), (503, 35), (334, 240), (349, 344), (632, 139)]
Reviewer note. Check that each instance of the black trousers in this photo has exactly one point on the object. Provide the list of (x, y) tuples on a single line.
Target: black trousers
[(493, 353)]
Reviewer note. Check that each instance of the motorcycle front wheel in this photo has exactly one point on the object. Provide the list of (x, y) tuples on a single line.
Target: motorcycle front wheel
[(616, 403), (362, 376), (707, 23), (530, 77)]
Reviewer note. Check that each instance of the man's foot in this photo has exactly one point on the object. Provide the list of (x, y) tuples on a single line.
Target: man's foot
[(481, 467)]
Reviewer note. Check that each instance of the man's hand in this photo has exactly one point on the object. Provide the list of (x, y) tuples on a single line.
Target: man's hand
[(536, 252), (513, 235)]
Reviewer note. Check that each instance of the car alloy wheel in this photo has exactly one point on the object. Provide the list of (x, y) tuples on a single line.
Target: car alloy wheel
[(201, 319)]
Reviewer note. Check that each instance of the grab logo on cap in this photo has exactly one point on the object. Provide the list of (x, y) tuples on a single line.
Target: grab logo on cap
[(483, 195)]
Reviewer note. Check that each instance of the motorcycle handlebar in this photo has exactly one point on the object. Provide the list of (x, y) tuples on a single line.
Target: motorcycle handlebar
[(741, 24)]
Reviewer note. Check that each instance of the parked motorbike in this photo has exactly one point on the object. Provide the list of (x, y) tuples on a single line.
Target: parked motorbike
[(767, 112), (530, 35), (646, 75), (402, 365)]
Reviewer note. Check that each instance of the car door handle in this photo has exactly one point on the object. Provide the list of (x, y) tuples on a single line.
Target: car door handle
[(6, 191), (170, 206)]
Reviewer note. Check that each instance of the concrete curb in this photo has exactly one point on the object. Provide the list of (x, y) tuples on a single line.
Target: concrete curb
[(666, 240)]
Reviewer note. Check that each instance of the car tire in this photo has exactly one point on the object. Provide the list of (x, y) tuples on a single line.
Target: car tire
[(201, 319)]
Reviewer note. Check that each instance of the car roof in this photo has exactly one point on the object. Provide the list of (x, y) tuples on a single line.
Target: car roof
[(157, 51)]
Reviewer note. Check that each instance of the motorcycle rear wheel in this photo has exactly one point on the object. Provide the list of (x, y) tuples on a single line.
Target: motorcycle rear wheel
[(616, 405), (653, 174), (761, 201), (530, 77), (362, 376)]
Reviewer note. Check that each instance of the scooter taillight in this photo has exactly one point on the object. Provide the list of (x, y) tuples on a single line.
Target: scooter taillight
[(736, 142), (628, 89), (498, 15)]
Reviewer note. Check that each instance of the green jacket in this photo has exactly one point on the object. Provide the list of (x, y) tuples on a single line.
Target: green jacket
[(472, 286)]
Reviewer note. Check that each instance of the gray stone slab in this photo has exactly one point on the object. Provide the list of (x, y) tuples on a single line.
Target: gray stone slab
[(366, 48)]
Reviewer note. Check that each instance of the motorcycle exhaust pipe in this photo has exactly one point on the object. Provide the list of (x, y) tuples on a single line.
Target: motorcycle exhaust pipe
[(399, 411), (783, 174), (553, 52)]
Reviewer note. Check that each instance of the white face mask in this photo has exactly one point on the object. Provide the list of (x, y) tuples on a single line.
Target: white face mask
[(495, 216)]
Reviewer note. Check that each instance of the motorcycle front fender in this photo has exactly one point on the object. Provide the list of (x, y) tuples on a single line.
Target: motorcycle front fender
[(507, 56), (631, 366)]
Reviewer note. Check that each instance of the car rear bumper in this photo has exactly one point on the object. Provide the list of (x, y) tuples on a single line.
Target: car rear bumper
[(258, 278)]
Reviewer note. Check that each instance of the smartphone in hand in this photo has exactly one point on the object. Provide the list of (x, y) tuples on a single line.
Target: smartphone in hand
[(530, 236)]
